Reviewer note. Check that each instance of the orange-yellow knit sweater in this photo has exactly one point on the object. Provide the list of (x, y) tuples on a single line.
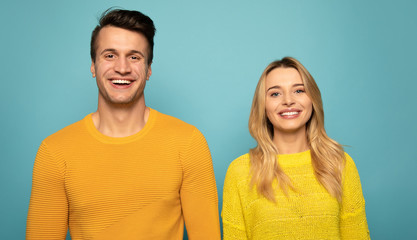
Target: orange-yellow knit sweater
[(144, 186), (309, 213)]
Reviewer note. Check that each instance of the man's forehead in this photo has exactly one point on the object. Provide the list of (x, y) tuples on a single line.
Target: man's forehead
[(121, 38)]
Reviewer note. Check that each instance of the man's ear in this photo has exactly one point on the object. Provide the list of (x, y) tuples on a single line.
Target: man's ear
[(149, 71), (93, 69)]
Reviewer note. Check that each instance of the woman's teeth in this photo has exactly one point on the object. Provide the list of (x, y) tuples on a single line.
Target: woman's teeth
[(289, 113)]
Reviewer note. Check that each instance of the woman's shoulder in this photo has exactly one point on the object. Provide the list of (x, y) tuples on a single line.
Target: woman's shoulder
[(349, 164), (238, 173), (240, 166), (350, 171), (242, 161)]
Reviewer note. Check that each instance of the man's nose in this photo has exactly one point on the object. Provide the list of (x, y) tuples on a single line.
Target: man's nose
[(122, 66)]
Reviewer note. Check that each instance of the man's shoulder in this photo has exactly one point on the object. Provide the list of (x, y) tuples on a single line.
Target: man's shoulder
[(173, 124), (67, 133)]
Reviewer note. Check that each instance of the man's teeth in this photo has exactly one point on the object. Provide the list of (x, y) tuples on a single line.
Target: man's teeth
[(119, 81), (289, 113)]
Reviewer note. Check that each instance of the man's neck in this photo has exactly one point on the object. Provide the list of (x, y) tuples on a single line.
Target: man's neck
[(291, 142), (120, 121)]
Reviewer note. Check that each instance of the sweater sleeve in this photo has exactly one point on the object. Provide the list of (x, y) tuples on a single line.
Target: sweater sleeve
[(48, 207), (199, 200), (353, 224), (232, 212)]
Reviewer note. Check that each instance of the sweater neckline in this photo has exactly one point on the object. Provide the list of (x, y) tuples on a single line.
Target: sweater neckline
[(295, 158), (88, 120)]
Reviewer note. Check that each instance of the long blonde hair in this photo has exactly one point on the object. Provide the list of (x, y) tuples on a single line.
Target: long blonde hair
[(327, 156)]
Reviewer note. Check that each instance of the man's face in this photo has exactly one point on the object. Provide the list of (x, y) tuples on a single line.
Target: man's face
[(121, 65)]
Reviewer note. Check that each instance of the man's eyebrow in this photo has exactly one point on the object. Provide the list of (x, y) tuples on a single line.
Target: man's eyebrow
[(114, 50), (138, 52), (108, 50)]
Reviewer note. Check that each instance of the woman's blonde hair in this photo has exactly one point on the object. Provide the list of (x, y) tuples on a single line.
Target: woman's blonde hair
[(327, 156)]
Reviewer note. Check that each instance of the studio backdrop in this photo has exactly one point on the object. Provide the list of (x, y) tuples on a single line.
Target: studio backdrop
[(208, 58)]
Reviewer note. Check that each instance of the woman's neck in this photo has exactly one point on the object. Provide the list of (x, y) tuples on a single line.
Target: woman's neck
[(291, 142)]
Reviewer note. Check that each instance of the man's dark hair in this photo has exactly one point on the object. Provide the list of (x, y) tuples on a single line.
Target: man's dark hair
[(129, 20)]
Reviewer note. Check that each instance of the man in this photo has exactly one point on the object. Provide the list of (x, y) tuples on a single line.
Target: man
[(125, 171)]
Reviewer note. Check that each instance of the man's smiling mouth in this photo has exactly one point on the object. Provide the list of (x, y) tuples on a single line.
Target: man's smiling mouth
[(121, 82)]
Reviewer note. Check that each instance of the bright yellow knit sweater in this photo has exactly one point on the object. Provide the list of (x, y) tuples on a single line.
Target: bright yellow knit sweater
[(139, 187), (311, 213)]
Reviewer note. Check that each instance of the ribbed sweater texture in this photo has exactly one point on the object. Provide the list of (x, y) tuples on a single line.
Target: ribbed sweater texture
[(310, 212), (144, 186)]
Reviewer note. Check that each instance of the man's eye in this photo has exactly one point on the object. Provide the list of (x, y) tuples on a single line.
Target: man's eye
[(134, 58), (109, 56)]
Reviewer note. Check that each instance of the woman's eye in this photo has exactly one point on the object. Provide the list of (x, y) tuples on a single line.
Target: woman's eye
[(299, 91), (274, 94)]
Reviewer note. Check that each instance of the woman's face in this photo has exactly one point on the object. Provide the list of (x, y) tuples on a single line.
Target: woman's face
[(287, 105)]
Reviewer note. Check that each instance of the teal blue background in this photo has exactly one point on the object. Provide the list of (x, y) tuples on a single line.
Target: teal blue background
[(208, 58)]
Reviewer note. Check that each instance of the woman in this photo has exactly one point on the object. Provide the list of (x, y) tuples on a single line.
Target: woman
[(297, 183)]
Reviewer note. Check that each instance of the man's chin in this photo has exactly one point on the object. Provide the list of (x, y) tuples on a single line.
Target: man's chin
[(123, 102)]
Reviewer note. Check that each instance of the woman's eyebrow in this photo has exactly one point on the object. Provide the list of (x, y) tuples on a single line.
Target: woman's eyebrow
[(274, 87)]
